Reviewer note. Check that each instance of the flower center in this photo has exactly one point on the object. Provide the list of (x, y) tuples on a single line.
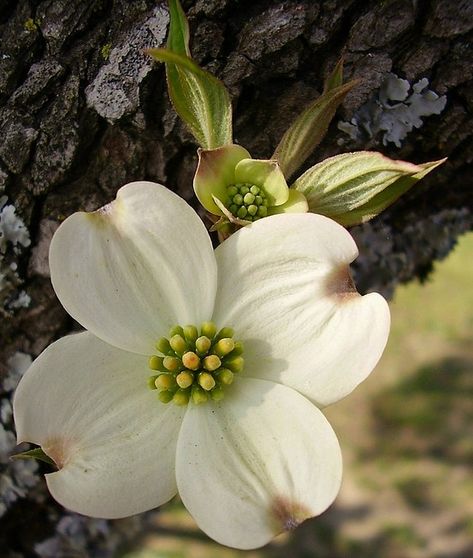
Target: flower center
[(195, 365), (246, 201)]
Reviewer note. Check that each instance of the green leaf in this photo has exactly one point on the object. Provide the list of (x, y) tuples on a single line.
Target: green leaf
[(346, 182), (36, 453), (335, 79), (200, 99), (387, 197), (308, 129), (178, 37)]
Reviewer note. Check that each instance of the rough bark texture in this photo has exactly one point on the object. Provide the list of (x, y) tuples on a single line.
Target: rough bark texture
[(83, 111)]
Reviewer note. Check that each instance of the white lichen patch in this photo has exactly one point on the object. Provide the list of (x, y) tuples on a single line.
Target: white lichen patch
[(16, 477), (76, 535), (14, 237), (18, 364), (394, 111), (12, 228)]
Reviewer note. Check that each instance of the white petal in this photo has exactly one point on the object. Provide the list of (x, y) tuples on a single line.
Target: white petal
[(258, 463), (284, 286), (87, 405), (136, 267)]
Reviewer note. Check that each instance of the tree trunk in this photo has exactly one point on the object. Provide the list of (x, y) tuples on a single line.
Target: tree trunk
[(83, 111)]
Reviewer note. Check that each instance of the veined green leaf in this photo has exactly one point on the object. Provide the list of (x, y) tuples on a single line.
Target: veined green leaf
[(200, 99), (335, 78), (346, 182), (308, 129), (178, 36), (385, 198)]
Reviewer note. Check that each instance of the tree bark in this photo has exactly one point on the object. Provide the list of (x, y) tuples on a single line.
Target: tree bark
[(83, 111)]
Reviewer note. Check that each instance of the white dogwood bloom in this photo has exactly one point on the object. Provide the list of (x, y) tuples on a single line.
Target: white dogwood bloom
[(249, 465)]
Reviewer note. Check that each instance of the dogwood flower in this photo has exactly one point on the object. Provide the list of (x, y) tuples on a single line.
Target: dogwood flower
[(265, 330), (230, 184)]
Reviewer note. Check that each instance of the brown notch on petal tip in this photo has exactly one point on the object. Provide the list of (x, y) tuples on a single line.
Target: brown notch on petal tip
[(105, 210), (287, 514), (59, 450), (98, 217), (340, 285)]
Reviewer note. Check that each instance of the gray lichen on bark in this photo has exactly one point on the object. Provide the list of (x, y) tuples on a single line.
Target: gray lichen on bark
[(115, 90)]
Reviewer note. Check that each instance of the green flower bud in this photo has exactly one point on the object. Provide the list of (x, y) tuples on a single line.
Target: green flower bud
[(217, 394), (178, 344), (184, 379), (156, 363), (163, 346), (224, 346), (249, 198), (211, 363), (202, 345), (241, 213), (190, 334), (165, 382), (165, 396), (262, 211), (190, 360), (181, 397), (171, 363), (235, 364), (206, 381), (151, 382), (199, 395), (225, 376), (209, 329), (232, 191)]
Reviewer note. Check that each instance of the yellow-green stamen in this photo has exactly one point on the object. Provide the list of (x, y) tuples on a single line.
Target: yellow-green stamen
[(165, 382), (246, 201), (206, 381), (202, 345), (195, 364), (184, 379), (191, 361), (211, 363)]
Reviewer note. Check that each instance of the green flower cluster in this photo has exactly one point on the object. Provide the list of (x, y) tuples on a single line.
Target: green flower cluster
[(246, 201), (195, 364)]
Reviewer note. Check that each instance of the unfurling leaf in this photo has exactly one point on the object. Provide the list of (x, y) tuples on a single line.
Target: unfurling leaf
[(386, 198), (199, 98), (354, 187), (178, 37), (308, 129), (335, 78)]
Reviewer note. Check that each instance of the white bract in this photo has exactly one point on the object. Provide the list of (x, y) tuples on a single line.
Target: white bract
[(248, 466)]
